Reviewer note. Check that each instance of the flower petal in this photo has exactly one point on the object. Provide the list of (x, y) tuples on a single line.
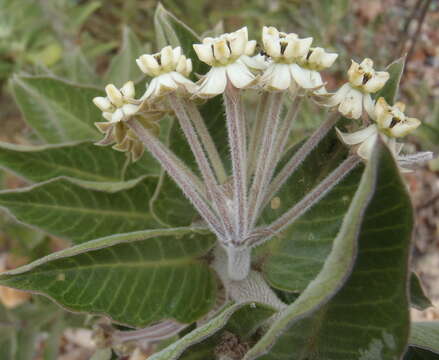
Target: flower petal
[(213, 83), (359, 136), (276, 77), (352, 104), (339, 95), (239, 75), (365, 149)]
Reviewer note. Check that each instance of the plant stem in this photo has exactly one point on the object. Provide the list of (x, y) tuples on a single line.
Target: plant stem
[(266, 153), (165, 157), (238, 150), (207, 141), (160, 331), (216, 195), (256, 134), (299, 157), (287, 126), (310, 199)]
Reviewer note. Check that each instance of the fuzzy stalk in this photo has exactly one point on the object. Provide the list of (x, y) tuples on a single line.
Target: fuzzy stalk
[(309, 200), (256, 133), (207, 141), (238, 150), (266, 153), (215, 194), (163, 155), (299, 157)]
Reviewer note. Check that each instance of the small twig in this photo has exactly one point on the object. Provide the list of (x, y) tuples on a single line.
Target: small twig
[(415, 36)]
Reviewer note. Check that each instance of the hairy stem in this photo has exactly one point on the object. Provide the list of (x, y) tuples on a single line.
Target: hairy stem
[(238, 150), (157, 332), (309, 200), (266, 152), (299, 157), (215, 193), (163, 155), (256, 133), (287, 126), (207, 141)]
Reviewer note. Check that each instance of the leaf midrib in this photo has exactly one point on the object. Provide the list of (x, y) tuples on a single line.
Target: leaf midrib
[(78, 209)]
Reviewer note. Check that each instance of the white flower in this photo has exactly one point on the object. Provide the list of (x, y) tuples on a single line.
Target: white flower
[(169, 69), (119, 104), (228, 55), (391, 123), (294, 62), (353, 96)]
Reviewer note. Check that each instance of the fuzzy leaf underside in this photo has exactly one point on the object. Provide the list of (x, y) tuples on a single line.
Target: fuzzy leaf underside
[(70, 211), (135, 278), (57, 110), (365, 273), (93, 166)]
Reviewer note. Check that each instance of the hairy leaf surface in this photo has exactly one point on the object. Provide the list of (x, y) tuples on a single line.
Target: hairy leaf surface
[(135, 278), (70, 211), (57, 110), (357, 307)]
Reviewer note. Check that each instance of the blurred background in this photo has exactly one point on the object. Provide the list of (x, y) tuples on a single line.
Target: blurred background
[(77, 40)]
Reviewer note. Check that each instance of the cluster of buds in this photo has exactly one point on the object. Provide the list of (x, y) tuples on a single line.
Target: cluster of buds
[(288, 65)]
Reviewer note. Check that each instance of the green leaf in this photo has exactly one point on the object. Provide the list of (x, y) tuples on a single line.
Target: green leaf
[(297, 255), (357, 307), (171, 31), (390, 91), (67, 210), (414, 353), (418, 298), (58, 111), (92, 166), (425, 335), (135, 279), (123, 66), (242, 319)]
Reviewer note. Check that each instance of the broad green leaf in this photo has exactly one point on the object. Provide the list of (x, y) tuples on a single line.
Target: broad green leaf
[(67, 210), (297, 255), (135, 279), (357, 306), (390, 90), (78, 69), (418, 298), (425, 335), (89, 165), (241, 319), (123, 66), (414, 353), (57, 110), (171, 31)]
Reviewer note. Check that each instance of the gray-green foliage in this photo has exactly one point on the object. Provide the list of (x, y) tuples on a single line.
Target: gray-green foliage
[(140, 254)]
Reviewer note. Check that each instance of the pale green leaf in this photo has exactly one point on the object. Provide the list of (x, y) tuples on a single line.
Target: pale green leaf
[(171, 31), (425, 335), (418, 299), (391, 89), (91, 166), (357, 306), (123, 66), (135, 279), (70, 211), (58, 111)]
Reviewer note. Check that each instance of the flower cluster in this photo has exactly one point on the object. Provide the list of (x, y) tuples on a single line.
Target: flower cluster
[(231, 204)]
